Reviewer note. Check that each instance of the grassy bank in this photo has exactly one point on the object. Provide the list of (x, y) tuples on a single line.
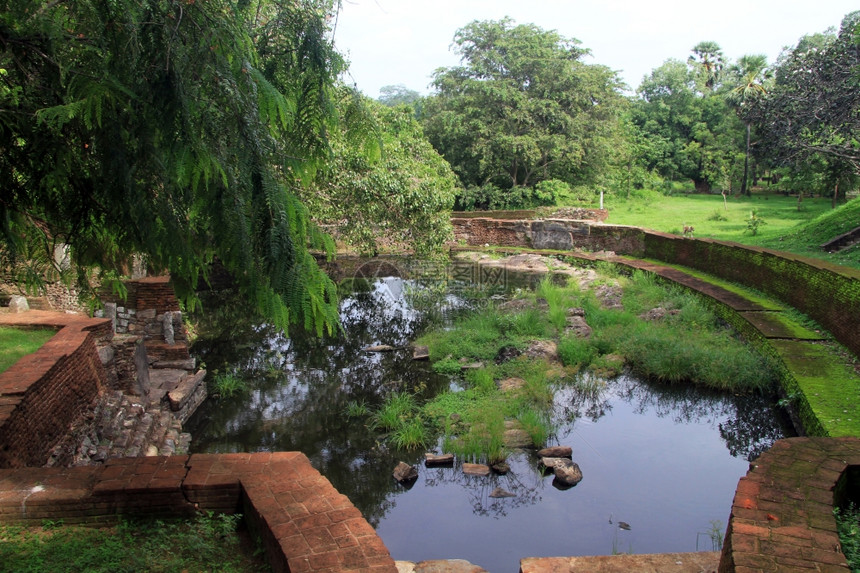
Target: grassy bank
[(16, 343), (782, 226), (207, 543)]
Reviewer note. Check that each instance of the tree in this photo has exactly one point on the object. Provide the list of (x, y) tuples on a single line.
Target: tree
[(690, 132), (522, 108), (813, 107), (707, 60), (402, 193), (178, 129), (750, 73), (398, 95)]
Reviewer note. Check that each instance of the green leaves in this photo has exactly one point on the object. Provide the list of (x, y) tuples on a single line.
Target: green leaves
[(523, 108), (181, 130)]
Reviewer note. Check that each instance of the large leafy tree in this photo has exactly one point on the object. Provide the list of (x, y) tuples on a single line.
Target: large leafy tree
[(180, 129), (690, 130), (395, 190), (522, 108), (813, 107)]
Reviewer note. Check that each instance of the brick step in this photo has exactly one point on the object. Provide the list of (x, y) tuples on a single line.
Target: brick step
[(159, 351)]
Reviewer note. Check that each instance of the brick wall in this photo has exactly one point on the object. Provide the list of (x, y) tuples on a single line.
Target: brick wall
[(305, 524), (827, 293), (782, 513), (44, 392)]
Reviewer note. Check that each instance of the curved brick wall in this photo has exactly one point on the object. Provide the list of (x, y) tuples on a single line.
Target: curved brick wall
[(829, 294), (782, 513)]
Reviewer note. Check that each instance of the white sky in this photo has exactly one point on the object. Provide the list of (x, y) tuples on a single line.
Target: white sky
[(390, 42)]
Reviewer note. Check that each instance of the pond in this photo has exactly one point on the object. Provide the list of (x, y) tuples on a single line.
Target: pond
[(660, 464)]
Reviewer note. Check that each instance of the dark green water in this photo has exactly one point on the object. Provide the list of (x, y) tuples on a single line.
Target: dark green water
[(664, 460)]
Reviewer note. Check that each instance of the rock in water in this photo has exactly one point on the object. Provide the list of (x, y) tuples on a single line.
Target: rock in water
[(421, 353), (438, 459), (404, 473), (476, 469), (499, 492), (556, 452), (379, 348), (567, 472)]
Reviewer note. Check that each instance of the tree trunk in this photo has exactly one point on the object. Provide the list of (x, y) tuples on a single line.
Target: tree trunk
[(702, 186), (835, 195), (744, 189)]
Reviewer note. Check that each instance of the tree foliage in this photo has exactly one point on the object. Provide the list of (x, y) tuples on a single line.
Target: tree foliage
[(522, 108), (813, 108), (180, 129), (399, 192), (686, 123)]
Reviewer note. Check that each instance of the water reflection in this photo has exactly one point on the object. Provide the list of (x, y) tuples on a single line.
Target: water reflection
[(626, 436)]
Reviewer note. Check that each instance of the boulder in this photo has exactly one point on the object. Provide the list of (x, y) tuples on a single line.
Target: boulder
[(18, 303), (404, 473), (431, 460), (546, 349), (379, 348), (509, 384), (556, 452), (500, 493), (420, 353), (515, 436), (501, 468), (476, 469), (507, 353), (567, 472), (577, 326)]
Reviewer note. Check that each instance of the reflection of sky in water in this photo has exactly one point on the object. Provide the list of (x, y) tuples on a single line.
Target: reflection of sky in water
[(664, 460)]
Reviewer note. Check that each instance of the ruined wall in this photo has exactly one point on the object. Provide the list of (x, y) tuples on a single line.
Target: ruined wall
[(43, 393), (829, 294)]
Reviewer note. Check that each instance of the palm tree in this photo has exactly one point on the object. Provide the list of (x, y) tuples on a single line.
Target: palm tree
[(752, 74), (707, 58)]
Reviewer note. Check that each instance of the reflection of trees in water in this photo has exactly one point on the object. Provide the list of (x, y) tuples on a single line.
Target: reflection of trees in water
[(526, 488), (749, 424), (300, 387)]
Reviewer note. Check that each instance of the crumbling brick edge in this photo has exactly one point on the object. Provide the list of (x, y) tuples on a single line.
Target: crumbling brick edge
[(305, 524), (782, 514)]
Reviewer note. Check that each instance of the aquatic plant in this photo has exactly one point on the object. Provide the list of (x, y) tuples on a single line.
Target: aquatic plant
[(227, 385)]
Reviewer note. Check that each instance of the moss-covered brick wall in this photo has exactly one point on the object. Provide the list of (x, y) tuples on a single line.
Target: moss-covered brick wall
[(829, 294)]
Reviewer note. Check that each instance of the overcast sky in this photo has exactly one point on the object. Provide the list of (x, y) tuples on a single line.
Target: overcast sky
[(390, 42)]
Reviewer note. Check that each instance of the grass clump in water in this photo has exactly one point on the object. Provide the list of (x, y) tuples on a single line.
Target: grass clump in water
[(401, 418), (227, 385)]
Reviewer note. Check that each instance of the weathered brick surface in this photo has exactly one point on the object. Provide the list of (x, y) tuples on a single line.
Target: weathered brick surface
[(43, 393), (306, 525), (782, 512)]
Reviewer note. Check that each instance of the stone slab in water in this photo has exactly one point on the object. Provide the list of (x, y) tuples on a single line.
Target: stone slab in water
[(700, 562)]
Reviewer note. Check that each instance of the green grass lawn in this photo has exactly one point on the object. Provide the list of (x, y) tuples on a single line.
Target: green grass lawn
[(785, 227), (206, 543), (18, 342)]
